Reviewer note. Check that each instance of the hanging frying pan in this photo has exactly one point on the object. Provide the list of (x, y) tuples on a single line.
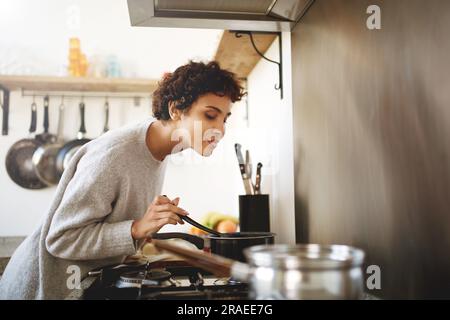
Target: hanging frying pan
[(69, 149), (44, 158), (19, 164)]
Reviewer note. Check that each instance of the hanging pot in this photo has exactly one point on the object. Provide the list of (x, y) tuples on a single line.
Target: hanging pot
[(68, 150), (18, 162), (44, 158)]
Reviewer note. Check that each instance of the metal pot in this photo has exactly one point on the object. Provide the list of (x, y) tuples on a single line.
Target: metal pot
[(230, 245), (287, 272), (304, 272), (44, 158), (19, 164)]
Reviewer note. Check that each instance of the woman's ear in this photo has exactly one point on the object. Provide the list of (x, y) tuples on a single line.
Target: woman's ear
[(174, 113)]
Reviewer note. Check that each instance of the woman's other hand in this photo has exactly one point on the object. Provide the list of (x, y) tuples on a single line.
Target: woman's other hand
[(161, 211)]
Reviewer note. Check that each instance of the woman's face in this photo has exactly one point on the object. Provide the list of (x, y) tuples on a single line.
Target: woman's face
[(203, 123)]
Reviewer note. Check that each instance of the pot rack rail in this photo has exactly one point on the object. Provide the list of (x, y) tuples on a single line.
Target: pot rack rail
[(72, 87), (82, 94)]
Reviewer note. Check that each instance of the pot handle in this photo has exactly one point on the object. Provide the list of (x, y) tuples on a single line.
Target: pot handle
[(241, 271), (197, 241)]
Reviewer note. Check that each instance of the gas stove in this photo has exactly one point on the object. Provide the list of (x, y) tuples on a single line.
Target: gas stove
[(163, 280)]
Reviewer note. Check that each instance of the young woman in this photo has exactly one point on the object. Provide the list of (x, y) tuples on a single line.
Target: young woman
[(108, 198)]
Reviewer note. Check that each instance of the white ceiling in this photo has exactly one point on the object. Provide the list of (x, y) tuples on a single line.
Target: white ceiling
[(35, 37)]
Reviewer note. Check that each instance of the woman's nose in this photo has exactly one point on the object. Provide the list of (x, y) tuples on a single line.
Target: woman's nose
[(222, 131), (218, 133)]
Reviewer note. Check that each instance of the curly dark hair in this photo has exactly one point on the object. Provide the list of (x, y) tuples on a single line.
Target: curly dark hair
[(189, 82)]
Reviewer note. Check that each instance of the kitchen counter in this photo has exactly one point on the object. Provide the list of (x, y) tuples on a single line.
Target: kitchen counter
[(7, 247), (3, 262)]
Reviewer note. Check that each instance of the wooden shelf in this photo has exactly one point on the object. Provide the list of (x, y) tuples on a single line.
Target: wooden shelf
[(49, 84), (237, 54)]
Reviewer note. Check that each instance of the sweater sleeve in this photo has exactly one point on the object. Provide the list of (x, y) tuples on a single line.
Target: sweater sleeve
[(78, 230)]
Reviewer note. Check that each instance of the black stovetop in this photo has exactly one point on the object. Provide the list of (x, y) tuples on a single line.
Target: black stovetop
[(164, 281)]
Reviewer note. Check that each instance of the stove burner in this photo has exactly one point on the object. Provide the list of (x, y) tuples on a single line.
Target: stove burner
[(226, 281), (163, 281), (221, 281), (155, 275), (233, 281), (153, 278)]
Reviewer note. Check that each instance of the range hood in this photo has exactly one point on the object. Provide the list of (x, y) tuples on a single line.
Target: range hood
[(248, 15)]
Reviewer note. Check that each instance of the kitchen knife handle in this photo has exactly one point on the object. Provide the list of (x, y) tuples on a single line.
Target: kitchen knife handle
[(240, 158), (258, 179), (248, 186)]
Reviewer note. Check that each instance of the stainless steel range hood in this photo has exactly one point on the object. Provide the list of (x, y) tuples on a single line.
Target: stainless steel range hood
[(250, 15)]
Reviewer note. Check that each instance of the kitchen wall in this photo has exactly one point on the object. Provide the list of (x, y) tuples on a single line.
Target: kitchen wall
[(204, 184), (22, 209), (262, 124), (39, 45), (35, 38), (372, 128), (270, 136)]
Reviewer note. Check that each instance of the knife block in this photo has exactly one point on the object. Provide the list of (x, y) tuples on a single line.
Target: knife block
[(254, 213)]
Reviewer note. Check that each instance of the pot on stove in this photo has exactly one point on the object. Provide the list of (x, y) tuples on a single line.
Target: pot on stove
[(308, 271), (230, 245)]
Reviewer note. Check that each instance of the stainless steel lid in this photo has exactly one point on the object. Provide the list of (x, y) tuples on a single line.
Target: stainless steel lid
[(308, 256)]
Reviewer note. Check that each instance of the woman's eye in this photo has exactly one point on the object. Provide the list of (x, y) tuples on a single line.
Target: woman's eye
[(210, 117)]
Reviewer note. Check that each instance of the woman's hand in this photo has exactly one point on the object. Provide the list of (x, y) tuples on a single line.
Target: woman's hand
[(161, 211)]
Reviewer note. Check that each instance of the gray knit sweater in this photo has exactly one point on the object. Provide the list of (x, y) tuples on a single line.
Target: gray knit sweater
[(110, 182)]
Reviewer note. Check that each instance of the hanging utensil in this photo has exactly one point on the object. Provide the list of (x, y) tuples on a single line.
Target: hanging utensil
[(69, 149), (5, 107), (19, 164), (44, 158), (45, 136)]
